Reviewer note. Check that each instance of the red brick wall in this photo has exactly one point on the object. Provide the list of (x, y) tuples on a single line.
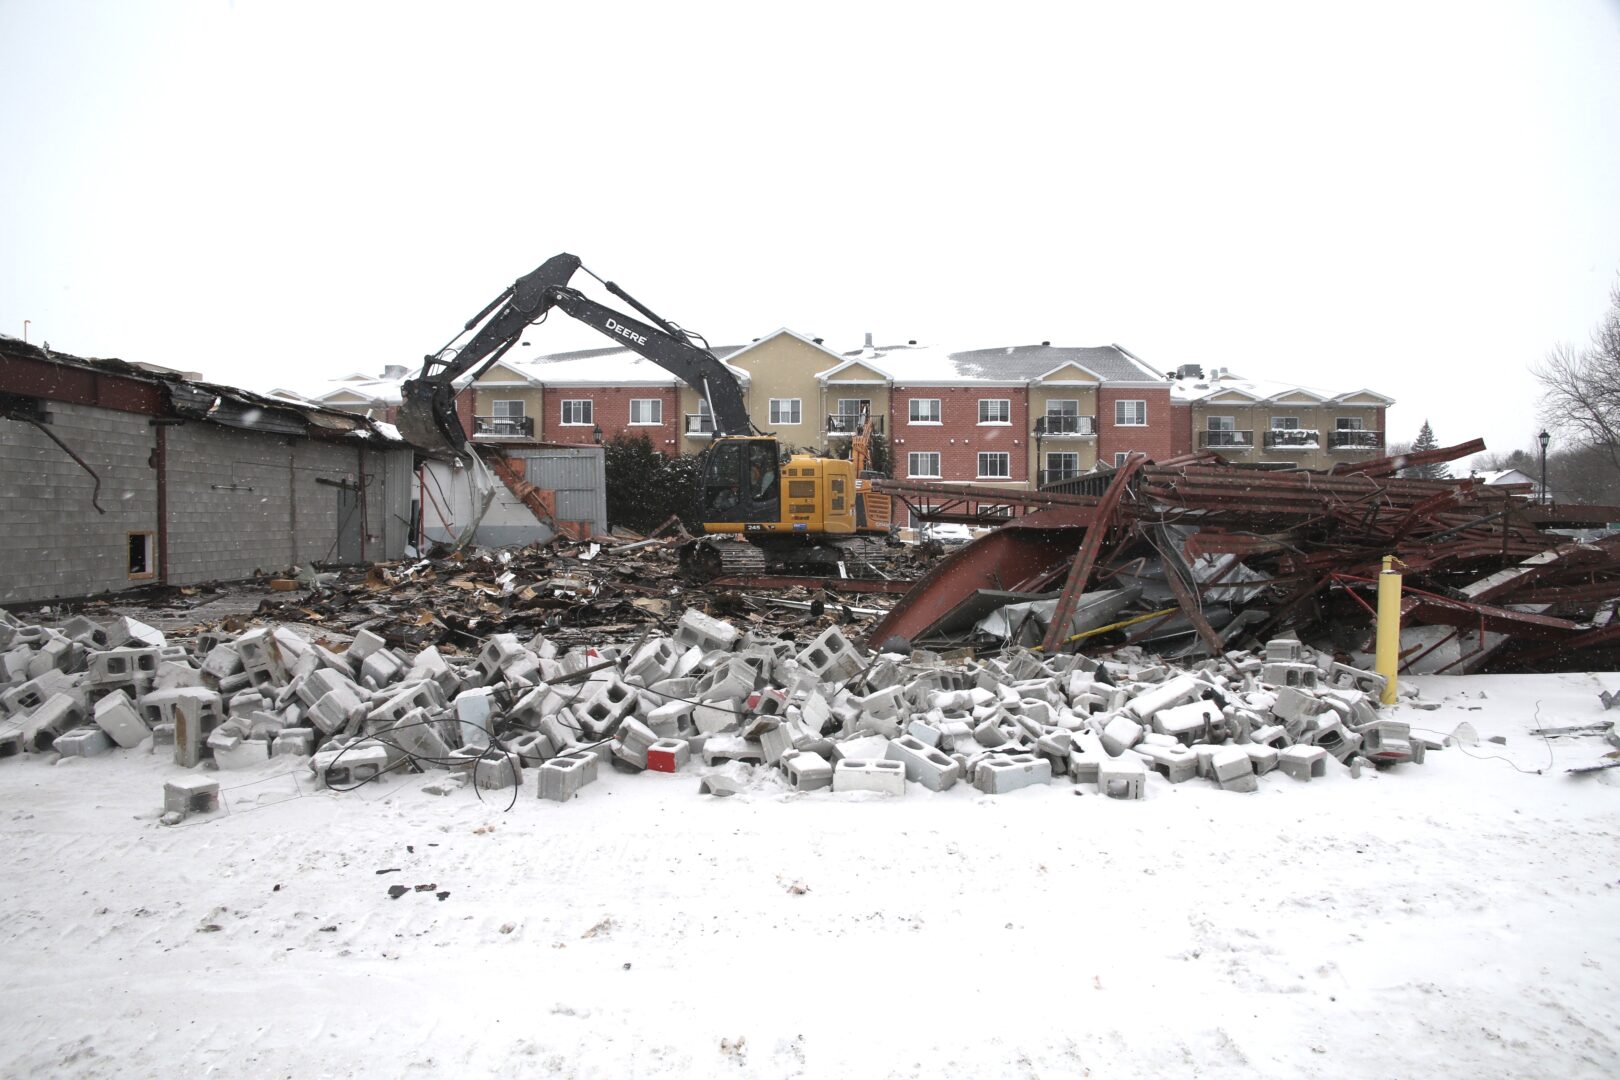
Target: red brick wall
[(1157, 439), (611, 412), (959, 439), (1181, 435)]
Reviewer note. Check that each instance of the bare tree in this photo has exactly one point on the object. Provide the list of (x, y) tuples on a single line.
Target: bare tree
[(1581, 395)]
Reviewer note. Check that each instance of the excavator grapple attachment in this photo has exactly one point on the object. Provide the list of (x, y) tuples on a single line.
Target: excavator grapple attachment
[(427, 419)]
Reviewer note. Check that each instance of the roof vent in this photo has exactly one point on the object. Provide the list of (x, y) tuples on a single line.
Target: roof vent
[(869, 339), (818, 341), (394, 371), (913, 341), (1046, 343), (1190, 371)]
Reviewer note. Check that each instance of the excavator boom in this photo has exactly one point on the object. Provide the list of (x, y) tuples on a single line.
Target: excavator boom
[(427, 416)]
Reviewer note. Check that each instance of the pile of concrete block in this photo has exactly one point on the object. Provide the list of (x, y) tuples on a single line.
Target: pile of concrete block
[(823, 713)]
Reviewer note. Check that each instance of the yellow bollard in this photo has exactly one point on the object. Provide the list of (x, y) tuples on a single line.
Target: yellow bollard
[(1389, 627)]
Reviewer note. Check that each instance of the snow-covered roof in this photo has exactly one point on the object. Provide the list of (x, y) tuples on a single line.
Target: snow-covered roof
[(1503, 476), (597, 367), (377, 391), (936, 365), (1261, 391), (924, 365)]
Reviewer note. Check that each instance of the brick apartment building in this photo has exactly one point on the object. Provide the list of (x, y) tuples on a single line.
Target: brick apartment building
[(1016, 416)]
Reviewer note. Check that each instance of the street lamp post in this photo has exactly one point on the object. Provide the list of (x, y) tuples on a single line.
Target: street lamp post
[(1040, 462), (1544, 439)]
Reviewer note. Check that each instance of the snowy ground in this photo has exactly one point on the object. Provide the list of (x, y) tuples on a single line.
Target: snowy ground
[(1459, 919)]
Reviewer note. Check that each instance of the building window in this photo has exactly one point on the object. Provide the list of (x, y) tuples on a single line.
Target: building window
[(1119, 458), (1350, 423), (1221, 423), (923, 465), (648, 410), (925, 410), (1130, 413), (995, 411), (1285, 423), (1061, 465), (785, 410), (578, 412), (506, 410), (854, 407), (142, 555), (995, 466)]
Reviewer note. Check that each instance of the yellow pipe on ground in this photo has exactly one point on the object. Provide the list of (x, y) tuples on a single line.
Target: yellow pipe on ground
[(1112, 626), (1388, 656)]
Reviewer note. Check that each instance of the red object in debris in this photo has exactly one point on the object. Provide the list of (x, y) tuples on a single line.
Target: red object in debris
[(660, 760)]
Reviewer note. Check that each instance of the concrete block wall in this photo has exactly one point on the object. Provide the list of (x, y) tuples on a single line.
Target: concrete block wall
[(229, 509), (241, 501), (55, 544), (237, 502)]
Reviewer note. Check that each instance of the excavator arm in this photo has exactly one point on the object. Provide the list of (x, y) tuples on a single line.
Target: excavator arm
[(427, 415)]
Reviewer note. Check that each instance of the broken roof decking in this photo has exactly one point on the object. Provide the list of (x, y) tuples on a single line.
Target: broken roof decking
[(1312, 537), (29, 371)]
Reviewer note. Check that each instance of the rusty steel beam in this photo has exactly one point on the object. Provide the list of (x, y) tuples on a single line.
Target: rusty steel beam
[(788, 581), (1388, 466), (979, 493), (1080, 572), (1601, 636), (1445, 611), (996, 560)]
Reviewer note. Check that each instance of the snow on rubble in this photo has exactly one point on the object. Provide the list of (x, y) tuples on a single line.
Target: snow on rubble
[(822, 715), (346, 891)]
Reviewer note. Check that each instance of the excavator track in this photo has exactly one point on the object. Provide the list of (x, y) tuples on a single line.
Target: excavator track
[(741, 559), (869, 556), (862, 558), (705, 560)]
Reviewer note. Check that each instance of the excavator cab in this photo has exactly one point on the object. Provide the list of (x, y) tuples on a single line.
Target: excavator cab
[(742, 485)]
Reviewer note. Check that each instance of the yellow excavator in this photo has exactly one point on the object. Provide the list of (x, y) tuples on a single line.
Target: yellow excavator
[(798, 513)]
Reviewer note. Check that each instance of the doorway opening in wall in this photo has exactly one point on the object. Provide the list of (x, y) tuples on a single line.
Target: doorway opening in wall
[(142, 555)]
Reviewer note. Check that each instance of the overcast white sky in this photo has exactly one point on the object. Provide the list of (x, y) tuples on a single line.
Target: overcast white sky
[(1421, 198)]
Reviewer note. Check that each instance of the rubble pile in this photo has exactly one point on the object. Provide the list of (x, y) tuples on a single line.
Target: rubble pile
[(1193, 555), (814, 715), (585, 593)]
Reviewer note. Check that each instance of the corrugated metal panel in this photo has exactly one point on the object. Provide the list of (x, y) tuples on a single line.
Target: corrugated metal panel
[(577, 478), (399, 486)]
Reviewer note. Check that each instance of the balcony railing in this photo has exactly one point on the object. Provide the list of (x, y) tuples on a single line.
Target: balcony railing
[(1226, 440), (850, 423), (700, 425), (504, 427), (1293, 439), (1357, 439), (1055, 424)]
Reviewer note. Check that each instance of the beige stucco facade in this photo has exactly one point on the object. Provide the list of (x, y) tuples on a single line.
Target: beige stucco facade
[(501, 383), (1321, 443), (1069, 383), (779, 367), (842, 391)]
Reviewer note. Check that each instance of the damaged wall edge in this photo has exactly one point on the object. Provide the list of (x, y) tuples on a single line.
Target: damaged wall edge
[(199, 482)]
